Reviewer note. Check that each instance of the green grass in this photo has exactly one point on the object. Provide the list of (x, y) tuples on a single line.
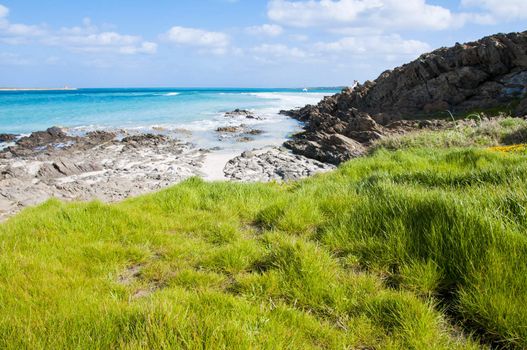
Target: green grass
[(491, 132), (423, 248)]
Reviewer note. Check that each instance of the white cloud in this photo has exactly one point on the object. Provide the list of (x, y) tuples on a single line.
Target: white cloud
[(197, 37), (279, 51), (374, 45), (384, 14), (299, 37), (147, 47), (88, 38), (266, 29), (85, 38), (500, 9), (18, 29), (4, 11), (413, 14), (100, 39), (310, 13), (13, 59)]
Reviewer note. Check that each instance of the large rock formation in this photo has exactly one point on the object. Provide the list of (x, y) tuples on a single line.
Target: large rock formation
[(488, 73)]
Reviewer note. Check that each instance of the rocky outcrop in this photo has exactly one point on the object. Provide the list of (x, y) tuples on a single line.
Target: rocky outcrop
[(521, 109), (55, 140), (488, 73), (241, 113), (272, 164), (66, 167), (40, 138), (241, 133), (7, 137), (98, 165), (328, 148)]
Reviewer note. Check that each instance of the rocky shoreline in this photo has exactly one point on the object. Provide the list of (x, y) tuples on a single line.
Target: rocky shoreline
[(272, 164), (488, 74), (111, 166)]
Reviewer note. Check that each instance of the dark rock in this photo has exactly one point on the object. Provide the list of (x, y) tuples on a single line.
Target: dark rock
[(481, 74), (521, 110), (247, 154), (100, 136), (290, 113), (65, 167), (38, 142), (328, 148), (144, 139), (55, 139), (254, 117), (241, 131), (7, 137), (488, 73), (229, 129), (239, 113), (254, 132), (43, 138)]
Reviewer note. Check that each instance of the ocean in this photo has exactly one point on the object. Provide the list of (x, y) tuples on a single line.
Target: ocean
[(188, 113)]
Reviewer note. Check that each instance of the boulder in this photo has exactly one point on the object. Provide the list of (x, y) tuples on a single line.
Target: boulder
[(229, 129), (42, 138), (521, 110), (240, 113), (244, 139), (143, 140), (7, 137), (66, 167), (272, 164), (328, 148)]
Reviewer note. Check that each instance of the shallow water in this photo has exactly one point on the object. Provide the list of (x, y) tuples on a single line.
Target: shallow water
[(192, 114)]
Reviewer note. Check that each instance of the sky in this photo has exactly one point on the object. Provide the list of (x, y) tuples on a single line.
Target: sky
[(232, 43)]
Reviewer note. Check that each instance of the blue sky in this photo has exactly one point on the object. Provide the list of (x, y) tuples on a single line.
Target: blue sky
[(232, 43)]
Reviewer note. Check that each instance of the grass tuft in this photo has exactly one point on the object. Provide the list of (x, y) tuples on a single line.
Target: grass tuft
[(413, 248)]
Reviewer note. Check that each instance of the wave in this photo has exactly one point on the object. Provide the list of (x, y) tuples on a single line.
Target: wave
[(172, 94), (290, 100)]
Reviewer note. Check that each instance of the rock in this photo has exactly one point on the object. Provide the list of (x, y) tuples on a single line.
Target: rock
[(100, 136), (272, 164), (328, 148), (521, 110), (248, 154), (241, 113), (241, 132), (229, 129), (254, 132), (94, 166), (254, 117), (144, 139), (488, 73), (41, 138), (38, 142), (7, 137), (481, 74), (66, 167)]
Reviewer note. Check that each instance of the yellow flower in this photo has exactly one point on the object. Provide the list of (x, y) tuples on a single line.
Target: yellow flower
[(510, 149)]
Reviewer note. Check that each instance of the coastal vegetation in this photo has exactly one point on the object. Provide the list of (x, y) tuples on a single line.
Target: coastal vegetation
[(421, 244)]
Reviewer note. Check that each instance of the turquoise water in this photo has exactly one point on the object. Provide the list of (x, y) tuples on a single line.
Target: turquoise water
[(189, 115), (199, 109)]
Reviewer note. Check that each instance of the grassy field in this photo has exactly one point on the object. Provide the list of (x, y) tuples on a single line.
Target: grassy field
[(418, 248)]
